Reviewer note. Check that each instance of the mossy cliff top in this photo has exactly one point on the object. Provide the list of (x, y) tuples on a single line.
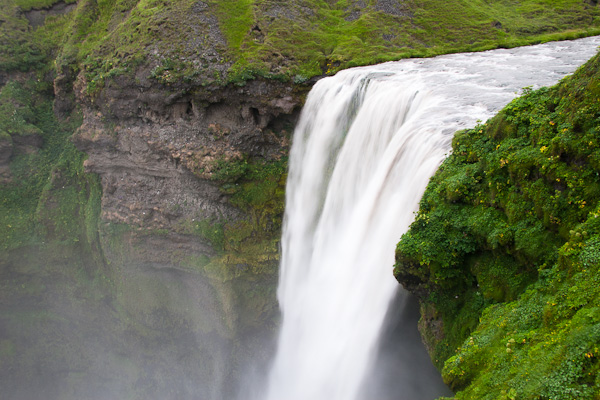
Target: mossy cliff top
[(505, 249), (220, 41)]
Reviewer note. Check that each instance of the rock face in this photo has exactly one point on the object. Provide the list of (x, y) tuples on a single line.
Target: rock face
[(155, 272), (6, 149), (144, 300), (37, 17), (157, 151)]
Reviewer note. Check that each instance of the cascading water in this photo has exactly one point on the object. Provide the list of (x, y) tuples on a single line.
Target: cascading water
[(366, 144)]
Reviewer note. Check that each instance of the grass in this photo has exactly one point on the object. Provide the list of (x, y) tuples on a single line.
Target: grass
[(33, 208), (319, 38), (283, 40)]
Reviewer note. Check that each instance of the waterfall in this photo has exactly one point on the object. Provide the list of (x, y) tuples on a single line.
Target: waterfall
[(366, 144)]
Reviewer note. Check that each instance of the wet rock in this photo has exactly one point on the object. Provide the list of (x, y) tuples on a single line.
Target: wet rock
[(28, 143), (6, 150), (63, 92), (199, 6), (37, 16), (392, 7), (431, 327), (155, 147)]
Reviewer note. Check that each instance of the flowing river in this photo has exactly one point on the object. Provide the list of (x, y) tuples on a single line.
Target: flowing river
[(366, 144)]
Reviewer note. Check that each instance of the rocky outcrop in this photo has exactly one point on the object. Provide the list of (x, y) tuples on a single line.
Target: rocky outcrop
[(157, 148), (37, 16), (16, 144), (6, 149), (27, 143)]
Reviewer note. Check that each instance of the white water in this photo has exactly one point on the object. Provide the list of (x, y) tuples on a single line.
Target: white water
[(366, 144)]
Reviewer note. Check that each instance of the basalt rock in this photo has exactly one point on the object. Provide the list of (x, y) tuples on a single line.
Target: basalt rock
[(27, 143), (156, 147)]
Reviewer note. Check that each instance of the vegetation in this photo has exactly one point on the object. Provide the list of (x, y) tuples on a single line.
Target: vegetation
[(33, 210), (505, 247), (314, 37), (257, 188), (289, 40)]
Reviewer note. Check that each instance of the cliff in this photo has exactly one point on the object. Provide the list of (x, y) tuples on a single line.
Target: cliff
[(143, 150), (503, 252)]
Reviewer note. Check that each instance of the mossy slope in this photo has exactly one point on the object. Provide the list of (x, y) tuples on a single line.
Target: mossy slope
[(505, 249), (216, 42), (305, 38)]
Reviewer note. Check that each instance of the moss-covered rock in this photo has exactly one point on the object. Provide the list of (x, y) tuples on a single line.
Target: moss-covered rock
[(233, 41), (218, 42), (503, 249)]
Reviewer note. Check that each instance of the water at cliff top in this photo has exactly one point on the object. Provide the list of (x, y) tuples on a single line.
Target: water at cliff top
[(363, 151)]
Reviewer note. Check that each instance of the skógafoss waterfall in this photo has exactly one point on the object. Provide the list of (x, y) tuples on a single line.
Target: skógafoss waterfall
[(365, 146)]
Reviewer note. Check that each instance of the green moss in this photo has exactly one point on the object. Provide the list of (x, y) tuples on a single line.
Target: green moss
[(260, 186), (211, 230), (322, 37), (17, 110), (237, 17), (545, 345), (17, 52), (23, 48), (286, 40), (505, 246), (39, 4), (49, 198)]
